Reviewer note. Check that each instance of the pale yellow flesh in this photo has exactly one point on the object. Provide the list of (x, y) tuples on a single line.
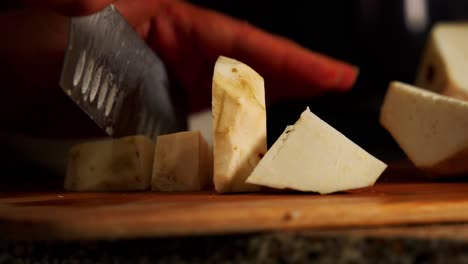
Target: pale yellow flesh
[(429, 127), (239, 124), (111, 165), (182, 162), (313, 156), (445, 60)]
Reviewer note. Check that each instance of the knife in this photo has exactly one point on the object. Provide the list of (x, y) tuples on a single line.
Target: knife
[(111, 74)]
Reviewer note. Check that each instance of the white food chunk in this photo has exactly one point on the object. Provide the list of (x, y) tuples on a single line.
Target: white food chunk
[(182, 162), (429, 127), (312, 156), (123, 164), (239, 123)]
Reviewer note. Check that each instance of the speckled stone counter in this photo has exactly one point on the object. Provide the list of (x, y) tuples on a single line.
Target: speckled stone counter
[(432, 244)]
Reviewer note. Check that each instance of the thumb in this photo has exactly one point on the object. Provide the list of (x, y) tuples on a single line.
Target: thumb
[(71, 7)]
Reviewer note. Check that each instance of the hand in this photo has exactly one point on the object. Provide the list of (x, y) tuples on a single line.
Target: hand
[(189, 39)]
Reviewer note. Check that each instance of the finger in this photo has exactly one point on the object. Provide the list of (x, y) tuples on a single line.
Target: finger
[(71, 7), (271, 56), (302, 72), (141, 12), (291, 60)]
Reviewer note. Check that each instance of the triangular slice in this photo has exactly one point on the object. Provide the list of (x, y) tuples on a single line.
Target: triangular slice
[(432, 129), (313, 156)]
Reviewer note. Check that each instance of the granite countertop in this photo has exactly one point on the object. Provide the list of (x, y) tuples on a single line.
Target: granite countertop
[(411, 244)]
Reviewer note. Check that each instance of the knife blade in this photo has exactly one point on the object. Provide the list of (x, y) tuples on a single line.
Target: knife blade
[(111, 74)]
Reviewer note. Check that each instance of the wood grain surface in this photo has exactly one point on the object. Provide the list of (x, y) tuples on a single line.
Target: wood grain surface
[(62, 215)]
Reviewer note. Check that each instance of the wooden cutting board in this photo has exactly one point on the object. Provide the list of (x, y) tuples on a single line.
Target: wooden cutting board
[(62, 215)]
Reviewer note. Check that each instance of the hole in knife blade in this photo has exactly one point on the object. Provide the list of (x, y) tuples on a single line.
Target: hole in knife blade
[(110, 100), (79, 68), (104, 88), (95, 84), (109, 130), (87, 76)]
